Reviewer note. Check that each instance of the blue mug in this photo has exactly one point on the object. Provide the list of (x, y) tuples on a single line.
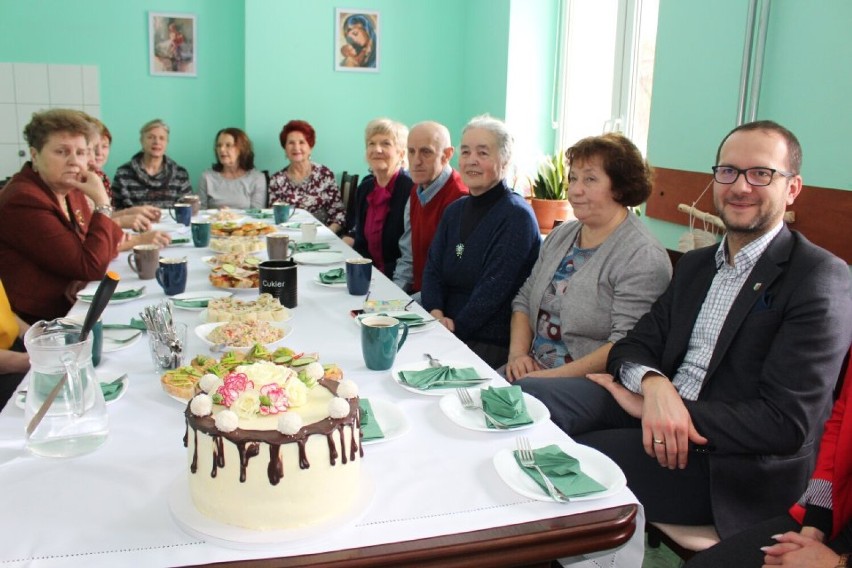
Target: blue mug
[(172, 275), (359, 271), (380, 341), (182, 213)]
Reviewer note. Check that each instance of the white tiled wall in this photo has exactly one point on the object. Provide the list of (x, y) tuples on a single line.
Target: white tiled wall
[(26, 88)]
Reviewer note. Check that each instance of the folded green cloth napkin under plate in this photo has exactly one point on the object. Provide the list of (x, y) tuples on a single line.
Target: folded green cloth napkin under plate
[(333, 276), (440, 377), (370, 429), (135, 323), (126, 294), (505, 405), (309, 247), (259, 214), (563, 470)]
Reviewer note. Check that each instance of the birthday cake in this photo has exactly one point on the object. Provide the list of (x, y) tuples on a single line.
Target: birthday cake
[(273, 446)]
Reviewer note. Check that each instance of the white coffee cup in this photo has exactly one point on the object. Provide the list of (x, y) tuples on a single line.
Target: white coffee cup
[(309, 232)]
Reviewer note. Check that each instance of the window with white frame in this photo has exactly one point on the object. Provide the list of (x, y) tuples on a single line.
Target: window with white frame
[(606, 69)]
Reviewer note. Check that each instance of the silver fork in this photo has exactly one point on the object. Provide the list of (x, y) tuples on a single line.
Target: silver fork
[(468, 404), (527, 459)]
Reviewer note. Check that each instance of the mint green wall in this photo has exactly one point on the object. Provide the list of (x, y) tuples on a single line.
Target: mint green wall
[(424, 74), (114, 36), (806, 85)]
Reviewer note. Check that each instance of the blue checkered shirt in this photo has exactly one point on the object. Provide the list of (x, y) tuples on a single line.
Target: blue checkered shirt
[(723, 291)]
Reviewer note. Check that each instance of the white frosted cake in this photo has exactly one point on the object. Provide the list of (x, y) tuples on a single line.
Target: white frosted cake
[(270, 448)]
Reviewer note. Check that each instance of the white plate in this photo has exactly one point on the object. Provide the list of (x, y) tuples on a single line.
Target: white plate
[(419, 366), (229, 536), (416, 329), (319, 257), (91, 288), (203, 330), (475, 420), (120, 335), (593, 463), (196, 295), (390, 418), (21, 396), (335, 285)]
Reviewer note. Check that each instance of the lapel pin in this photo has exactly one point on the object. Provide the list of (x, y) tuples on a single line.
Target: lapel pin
[(757, 286)]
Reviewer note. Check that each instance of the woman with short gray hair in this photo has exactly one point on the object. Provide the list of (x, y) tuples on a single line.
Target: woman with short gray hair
[(484, 248), (150, 177)]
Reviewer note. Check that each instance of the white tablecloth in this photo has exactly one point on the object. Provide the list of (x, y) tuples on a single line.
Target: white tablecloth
[(110, 507)]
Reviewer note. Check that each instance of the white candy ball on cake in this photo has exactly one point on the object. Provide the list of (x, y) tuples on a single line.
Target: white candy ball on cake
[(227, 421), (289, 423), (347, 389), (201, 405), (338, 408)]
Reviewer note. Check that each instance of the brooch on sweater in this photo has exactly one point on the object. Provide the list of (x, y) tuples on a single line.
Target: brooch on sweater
[(80, 219), (459, 250)]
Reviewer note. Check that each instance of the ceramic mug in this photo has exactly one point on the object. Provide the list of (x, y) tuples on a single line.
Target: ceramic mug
[(358, 274), (201, 232), (282, 212), (182, 213), (171, 275), (277, 246), (380, 341), (309, 232), (143, 260)]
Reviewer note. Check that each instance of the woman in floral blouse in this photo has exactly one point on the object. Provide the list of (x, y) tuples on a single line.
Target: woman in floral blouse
[(303, 183)]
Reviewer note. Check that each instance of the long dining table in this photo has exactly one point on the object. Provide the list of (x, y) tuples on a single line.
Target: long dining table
[(432, 492)]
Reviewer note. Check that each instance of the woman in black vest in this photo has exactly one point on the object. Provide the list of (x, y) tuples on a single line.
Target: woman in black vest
[(378, 220)]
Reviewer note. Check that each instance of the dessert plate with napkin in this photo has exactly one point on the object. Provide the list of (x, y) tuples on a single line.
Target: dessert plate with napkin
[(509, 406), (434, 381), (334, 278), (123, 293), (381, 421), (579, 472)]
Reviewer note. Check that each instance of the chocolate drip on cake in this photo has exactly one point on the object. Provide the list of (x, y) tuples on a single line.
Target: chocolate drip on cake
[(275, 469), (275, 439), (247, 451), (194, 467)]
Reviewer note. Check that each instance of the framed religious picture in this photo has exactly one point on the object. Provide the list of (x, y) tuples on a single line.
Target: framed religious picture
[(172, 44), (356, 46)]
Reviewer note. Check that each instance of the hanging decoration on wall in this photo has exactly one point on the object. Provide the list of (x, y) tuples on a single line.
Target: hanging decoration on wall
[(172, 44), (356, 35)]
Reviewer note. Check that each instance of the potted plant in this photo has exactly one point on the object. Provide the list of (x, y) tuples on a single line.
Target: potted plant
[(550, 193)]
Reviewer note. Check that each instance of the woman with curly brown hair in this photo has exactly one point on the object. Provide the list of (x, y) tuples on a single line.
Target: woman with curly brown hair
[(594, 276)]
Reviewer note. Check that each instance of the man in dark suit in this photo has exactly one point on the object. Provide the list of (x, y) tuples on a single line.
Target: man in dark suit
[(723, 387)]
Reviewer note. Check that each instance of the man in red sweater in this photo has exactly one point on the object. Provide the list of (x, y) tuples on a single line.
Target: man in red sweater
[(436, 186)]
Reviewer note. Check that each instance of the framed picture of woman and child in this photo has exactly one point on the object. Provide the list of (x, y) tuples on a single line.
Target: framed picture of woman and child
[(171, 48), (356, 40)]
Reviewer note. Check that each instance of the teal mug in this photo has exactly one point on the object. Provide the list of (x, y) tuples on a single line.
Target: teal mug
[(380, 341), (282, 212), (201, 232)]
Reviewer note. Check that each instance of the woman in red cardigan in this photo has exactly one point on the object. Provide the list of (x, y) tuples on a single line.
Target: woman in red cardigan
[(818, 532), (51, 243)]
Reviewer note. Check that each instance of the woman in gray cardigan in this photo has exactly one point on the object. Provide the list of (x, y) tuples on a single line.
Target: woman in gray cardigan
[(595, 276)]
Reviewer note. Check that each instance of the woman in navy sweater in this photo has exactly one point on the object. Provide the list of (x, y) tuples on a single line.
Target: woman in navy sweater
[(484, 249)]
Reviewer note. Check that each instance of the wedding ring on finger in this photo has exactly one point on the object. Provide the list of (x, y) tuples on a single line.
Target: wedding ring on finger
[(660, 442)]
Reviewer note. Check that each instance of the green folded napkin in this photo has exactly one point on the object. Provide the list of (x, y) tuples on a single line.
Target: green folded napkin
[(563, 470), (194, 303), (292, 225), (112, 390), (118, 295), (333, 276), (135, 323), (506, 405), (259, 214), (180, 240), (439, 377), (309, 247), (370, 429)]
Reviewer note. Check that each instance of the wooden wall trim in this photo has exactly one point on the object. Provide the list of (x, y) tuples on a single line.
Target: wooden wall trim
[(823, 215)]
